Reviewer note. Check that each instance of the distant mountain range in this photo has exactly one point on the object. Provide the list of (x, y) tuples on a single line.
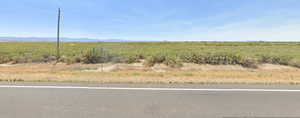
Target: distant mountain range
[(49, 39)]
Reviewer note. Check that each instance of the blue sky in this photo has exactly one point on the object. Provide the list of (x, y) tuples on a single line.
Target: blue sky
[(155, 20)]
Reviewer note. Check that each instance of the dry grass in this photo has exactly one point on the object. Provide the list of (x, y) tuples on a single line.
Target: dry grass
[(134, 73)]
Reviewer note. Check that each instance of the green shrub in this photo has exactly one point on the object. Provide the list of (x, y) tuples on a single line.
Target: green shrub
[(132, 59), (295, 63), (265, 59), (17, 60), (96, 56), (249, 62), (223, 59), (77, 59), (48, 58), (4, 59), (282, 60), (71, 60), (194, 58), (152, 60), (173, 62), (216, 59)]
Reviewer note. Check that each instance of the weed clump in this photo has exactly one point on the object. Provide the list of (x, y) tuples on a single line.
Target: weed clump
[(96, 56), (216, 59), (49, 58), (152, 60), (280, 60), (249, 62), (294, 63), (4, 59), (173, 62), (132, 59)]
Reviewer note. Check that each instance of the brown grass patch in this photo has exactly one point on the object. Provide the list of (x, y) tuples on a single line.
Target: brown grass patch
[(134, 73)]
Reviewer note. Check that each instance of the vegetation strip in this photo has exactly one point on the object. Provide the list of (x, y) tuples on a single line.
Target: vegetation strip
[(173, 54)]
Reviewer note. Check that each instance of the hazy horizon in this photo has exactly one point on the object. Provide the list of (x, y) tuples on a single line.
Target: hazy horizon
[(155, 20)]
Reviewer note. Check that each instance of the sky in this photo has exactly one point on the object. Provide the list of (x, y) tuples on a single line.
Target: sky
[(154, 20)]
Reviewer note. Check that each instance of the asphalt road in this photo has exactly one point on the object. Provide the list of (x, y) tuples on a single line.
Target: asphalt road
[(79, 102)]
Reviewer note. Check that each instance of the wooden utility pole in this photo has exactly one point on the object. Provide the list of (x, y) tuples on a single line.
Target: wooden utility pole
[(58, 38)]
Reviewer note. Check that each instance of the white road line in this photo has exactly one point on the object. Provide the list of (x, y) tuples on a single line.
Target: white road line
[(151, 89)]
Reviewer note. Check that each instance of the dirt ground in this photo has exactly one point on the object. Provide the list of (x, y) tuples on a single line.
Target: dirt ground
[(137, 73)]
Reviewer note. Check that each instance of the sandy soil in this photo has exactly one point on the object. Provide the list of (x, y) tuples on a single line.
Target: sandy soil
[(137, 73)]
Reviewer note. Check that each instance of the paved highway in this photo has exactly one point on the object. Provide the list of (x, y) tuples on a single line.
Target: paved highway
[(64, 100)]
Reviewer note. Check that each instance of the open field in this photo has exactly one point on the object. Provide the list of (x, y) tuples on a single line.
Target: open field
[(247, 54), (135, 73), (152, 62)]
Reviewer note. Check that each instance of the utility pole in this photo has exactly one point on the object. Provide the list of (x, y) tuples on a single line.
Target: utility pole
[(58, 38)]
